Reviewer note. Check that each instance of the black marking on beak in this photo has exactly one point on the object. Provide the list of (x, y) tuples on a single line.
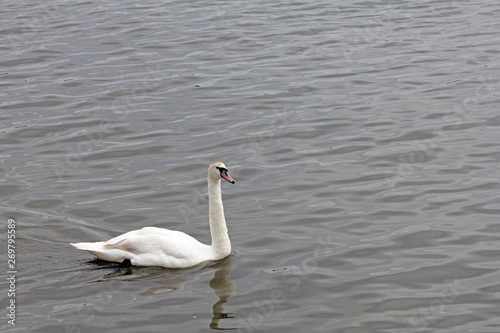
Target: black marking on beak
[(224, 174)]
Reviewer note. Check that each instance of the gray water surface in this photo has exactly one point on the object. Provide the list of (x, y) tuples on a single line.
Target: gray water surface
[(363, 137)]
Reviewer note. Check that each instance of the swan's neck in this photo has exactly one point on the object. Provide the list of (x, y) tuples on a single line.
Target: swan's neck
[(220, 239)]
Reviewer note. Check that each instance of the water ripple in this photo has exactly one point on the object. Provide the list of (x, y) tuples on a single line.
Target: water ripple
[(363, 137)]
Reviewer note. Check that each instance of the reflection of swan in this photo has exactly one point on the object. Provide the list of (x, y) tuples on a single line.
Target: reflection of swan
[(224, 289), (151, 246), (170, 280)]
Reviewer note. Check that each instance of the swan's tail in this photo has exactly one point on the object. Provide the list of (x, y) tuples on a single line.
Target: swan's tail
[(94, 248), (104, 251), (89, 246)]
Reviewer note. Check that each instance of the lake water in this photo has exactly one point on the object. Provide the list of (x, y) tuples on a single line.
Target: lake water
[(363, 137)]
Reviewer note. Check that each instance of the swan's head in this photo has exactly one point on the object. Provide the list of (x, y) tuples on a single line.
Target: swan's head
[(218, 170)]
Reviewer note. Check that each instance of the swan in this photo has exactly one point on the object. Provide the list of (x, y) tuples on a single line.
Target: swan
[(151, 246)]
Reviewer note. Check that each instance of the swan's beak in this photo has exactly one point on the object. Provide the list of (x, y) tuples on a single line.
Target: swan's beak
[(226, 176)]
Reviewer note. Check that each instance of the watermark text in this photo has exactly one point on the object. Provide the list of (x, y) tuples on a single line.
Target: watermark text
[(11, 271)]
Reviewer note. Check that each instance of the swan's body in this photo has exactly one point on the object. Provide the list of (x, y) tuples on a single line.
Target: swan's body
[(151, 246)]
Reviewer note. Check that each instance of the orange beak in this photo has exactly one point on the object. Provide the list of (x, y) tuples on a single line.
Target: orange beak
[(224, 174)]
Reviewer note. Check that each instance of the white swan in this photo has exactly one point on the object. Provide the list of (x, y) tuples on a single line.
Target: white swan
[(151, 246)]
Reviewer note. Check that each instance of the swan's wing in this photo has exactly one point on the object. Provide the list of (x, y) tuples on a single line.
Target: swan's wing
[(162, 247), (124, 245), (134, 242)]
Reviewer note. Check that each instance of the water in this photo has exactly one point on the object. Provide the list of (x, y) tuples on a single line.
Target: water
[(362, 135)]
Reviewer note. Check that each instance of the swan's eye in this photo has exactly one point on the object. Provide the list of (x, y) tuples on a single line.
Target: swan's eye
[(221, 170), (223, 173)]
